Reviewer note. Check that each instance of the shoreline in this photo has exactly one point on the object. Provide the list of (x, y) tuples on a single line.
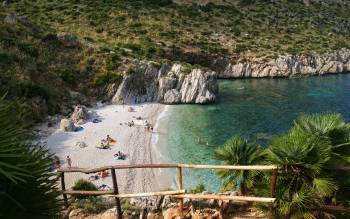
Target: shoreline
[(136, 142)]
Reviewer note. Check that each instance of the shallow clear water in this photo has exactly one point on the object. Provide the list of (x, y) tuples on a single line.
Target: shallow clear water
[(253, 108)]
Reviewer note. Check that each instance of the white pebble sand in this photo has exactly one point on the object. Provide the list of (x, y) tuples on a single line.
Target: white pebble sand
[(134, 141)]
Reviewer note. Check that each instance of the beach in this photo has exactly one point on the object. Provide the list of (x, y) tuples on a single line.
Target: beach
[(138, 143)]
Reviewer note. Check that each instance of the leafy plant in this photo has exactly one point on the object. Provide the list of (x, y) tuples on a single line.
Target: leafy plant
[(238, 151), (83, 185), (198, 189), (28, 189)]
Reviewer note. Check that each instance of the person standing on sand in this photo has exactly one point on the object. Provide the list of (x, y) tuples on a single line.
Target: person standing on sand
[(69, 162)]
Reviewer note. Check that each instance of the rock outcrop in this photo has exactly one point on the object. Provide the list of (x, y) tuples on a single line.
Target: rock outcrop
[(169, 84), (67, 125), (287, 66), (80, 114)]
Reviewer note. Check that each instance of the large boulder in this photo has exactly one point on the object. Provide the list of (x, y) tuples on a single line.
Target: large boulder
[(67, 125), (80, 114), (67, 39), (169, 84)]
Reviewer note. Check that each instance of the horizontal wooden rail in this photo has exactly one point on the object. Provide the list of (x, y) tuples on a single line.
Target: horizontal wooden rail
[(163, 193), (92, 193), (226, 197), (180, 193), (139, 166), (222, 167), (332, 208)]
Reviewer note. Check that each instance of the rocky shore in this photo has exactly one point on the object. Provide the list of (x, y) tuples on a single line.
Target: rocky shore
[(286, 66)]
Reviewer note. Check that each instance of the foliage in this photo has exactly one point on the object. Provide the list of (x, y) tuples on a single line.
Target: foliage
[(304, 156), (94, 205), (198, 189), (315, 144), (238, 151), (107, 78), (28, 189), (83, 185)]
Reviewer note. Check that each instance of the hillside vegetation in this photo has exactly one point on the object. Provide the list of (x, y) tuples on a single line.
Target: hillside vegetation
[(35, 65)]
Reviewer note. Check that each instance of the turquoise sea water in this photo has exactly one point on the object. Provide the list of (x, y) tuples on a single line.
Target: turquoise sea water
[(254, 108)]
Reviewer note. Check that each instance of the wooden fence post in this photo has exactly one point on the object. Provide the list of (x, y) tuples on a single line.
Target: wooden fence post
[(272, 189), (116, 192), (179, 172), (63, 186)]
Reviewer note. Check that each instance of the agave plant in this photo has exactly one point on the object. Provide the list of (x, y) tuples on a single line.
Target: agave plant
[(238, 151), (27, 188)]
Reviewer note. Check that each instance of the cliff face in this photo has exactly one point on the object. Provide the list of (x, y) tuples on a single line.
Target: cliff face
[(287, 66), (169, 84)]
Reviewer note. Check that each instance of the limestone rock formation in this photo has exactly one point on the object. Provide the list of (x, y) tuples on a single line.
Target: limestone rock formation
[(169, 84), (67, 125), (80, 114), (288, 66)]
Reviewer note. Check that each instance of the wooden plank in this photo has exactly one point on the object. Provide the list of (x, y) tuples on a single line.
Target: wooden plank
[(92, 193), (272, 190), (193, 166), (116, 192), (223, 167), (343, 168), (223, 197), (179, 175), (333, 208), (163, 193), (127, 166), (63, 186)]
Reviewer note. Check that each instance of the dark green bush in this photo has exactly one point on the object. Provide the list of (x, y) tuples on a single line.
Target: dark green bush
[(67, 76), (30, 90), (106, 78), (83, 185), (198, 189)]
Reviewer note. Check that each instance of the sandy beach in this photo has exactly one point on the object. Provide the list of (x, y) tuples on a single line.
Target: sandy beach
[(137, 143)]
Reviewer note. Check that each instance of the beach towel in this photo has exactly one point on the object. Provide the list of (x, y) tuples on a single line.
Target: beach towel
[(105, 148)]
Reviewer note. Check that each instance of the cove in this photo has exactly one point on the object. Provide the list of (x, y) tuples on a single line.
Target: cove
[(257, 109)]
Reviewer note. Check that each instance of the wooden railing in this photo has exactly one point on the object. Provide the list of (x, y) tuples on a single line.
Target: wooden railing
[(179, 194)]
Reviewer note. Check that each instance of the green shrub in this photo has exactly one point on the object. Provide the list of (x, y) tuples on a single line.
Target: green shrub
[(83, 185), (107, 78), (67, 76), (198, 189), (30, 90), (29, 49)]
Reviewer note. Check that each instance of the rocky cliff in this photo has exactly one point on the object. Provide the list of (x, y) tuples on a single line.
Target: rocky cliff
[(169, 84), (286, 66)]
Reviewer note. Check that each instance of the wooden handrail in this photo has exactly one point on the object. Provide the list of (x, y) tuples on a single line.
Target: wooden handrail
[(92, 193), (226, 197), (142, 166), (180, 193), (163, 193)]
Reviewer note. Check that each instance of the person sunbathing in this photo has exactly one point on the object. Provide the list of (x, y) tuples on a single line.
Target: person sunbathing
[(103, 145), (120, 156), (110, 140)]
